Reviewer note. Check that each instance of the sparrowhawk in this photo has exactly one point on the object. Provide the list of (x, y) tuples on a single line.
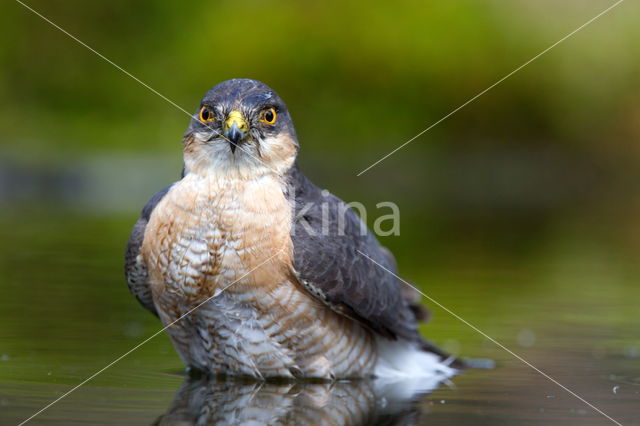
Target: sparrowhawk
[(283, 274)]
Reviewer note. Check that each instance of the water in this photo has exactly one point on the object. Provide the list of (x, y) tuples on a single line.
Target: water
[(569, 307)]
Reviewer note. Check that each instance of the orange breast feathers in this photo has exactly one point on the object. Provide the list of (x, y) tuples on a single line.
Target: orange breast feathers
[(207, 233)]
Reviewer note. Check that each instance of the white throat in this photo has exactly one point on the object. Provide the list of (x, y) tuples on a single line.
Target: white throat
[(215, 158)]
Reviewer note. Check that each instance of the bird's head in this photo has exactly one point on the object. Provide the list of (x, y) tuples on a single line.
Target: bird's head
[(241, 127)]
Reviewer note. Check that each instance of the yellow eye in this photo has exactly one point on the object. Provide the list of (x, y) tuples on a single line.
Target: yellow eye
[(206, 114), (269, 116)]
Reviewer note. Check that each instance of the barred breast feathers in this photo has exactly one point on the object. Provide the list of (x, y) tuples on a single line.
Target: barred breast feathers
[(208, 227)]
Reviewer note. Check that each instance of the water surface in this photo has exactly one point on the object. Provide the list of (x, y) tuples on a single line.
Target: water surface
[(571, 309)]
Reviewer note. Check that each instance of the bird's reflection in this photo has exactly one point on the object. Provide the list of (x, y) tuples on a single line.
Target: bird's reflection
[(215, 401)]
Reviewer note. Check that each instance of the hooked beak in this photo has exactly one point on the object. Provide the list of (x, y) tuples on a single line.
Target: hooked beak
[(235, 129), (234, 135)]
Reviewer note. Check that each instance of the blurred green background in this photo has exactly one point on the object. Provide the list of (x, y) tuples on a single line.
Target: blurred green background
[(519, 212)]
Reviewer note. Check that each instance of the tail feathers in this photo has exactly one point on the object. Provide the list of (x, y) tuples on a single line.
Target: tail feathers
[(451, 360), (402, 359)]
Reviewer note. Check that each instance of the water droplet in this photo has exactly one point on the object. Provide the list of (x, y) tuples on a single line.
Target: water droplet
[(526, 337), (5, 357), (383, 402), (632, 351)]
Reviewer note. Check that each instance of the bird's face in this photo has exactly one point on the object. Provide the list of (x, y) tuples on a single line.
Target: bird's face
[(241, 126)]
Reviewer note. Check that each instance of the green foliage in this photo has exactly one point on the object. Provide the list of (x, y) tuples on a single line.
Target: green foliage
[(355, 77)]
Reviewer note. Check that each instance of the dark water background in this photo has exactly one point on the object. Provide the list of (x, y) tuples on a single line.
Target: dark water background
[(570, 309)]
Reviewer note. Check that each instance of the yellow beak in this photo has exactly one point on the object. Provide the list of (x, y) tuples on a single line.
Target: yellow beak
[(235, 116), (235, 127)]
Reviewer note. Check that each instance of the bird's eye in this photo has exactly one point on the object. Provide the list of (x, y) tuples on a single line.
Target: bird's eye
[(206, 114), (269, 116)]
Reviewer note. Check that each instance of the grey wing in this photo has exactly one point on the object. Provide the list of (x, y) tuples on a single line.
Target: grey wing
[(134, 268), (335, 262)]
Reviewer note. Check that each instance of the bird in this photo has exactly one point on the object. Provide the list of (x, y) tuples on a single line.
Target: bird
[(205, 400), (257, 272)]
